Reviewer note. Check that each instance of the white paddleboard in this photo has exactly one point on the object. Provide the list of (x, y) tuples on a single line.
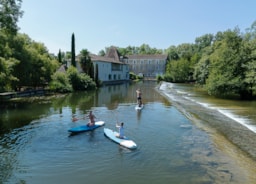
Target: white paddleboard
[(137, 107), (126, 142)]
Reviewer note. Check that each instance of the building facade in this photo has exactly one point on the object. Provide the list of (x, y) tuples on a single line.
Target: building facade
[(110, 68), (149, 66)]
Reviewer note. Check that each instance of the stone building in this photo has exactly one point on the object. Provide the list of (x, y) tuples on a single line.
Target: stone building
[(147, 65)]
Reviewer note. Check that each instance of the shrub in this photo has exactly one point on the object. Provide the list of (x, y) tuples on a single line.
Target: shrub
[(60, 83)]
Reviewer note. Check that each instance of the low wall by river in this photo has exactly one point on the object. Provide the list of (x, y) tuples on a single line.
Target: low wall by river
[(28, 93)]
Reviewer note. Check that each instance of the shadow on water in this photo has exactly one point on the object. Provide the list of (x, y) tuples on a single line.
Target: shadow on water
[(38, 147)]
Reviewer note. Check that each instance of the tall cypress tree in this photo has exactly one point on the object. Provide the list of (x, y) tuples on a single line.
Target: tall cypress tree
[(97, 75), (73, 52), (59, 56)]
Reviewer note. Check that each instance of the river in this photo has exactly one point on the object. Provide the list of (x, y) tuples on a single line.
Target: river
[(177, 141)]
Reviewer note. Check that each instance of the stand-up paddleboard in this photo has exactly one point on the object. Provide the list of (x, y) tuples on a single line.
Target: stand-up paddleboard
[(137, 107), (85, 128), (125, 142)]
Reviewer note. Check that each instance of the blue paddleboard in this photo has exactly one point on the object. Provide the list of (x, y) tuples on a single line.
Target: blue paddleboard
[(85, 128)]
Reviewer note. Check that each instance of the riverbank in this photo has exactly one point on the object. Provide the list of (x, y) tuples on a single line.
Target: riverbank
[(236, 133)]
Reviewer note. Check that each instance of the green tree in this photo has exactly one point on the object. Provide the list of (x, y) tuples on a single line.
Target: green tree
[(85, 61), (203, 42), (73, 51), (91, 72), (60, 56), (9, 15), (6, 76), (101, 53), (80, 81), (250, 77), (35, 65), (226, 65), (201, 70), (172, 53), (10, 12), (178, 71), (60, 83), (97, 75)]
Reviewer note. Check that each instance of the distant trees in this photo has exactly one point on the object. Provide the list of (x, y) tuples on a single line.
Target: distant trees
[(144, 49), (225, 63)]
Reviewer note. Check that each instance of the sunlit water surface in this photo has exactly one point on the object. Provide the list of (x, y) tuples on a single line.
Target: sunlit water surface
[(171, 149)]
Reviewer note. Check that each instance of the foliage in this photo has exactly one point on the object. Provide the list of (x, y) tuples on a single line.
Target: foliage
[(73, 50), (60, 83), (24, 62), (225, 74), (9, 15), (144, 49), (101, 53), (159, 78), (60, 57), (97, 81), (85, 61), (6, 76), (223, 63), (179, 70), (132, 76), (35, 65), (80, 81)]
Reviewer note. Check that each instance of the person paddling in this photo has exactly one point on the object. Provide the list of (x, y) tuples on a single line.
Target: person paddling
[(121, 130), (92, 119), (139, 94)]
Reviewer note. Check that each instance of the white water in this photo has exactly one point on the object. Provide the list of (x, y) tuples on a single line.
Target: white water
[(229, 111)]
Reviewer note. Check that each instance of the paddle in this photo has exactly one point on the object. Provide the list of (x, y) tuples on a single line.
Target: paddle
[(74, 119)]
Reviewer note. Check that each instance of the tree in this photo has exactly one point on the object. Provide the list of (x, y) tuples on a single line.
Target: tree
[(6, 74), (60, 83), (203, 41), (73, 52), (172, 53), (226, 71), (101, 53), (35, 65), (85, 61), (60, 56), (9, 15), (97, 75), (80, 81), (91, 72), (178, 71)]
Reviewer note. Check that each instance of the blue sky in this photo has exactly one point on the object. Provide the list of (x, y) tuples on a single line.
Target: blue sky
[(102, 23)]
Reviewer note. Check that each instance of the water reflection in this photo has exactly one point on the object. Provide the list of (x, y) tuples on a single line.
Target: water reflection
[(170, 148)]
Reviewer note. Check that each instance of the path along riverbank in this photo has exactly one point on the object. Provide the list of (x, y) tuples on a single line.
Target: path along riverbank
[(229, 136)]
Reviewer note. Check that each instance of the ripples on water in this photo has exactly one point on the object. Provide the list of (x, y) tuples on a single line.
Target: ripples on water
[(170, 149), (242, 112)]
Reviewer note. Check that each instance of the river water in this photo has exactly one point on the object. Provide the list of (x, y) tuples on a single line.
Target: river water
[(174, 144)]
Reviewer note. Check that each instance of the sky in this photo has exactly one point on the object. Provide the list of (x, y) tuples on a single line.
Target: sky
[(98, 24)]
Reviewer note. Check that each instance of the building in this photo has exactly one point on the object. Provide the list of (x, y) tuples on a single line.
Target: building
[(149, 66), (110, 68)]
